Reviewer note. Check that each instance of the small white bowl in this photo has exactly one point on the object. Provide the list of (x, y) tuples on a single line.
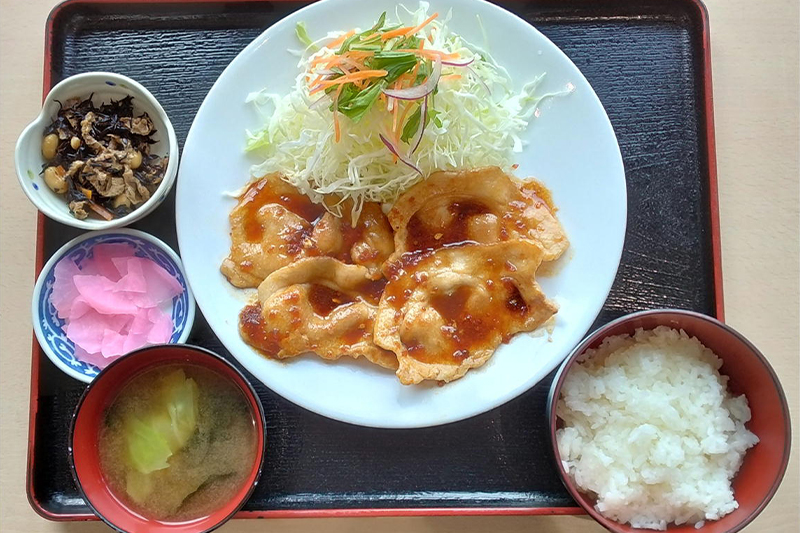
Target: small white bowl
[(48, 326), (105, 86)]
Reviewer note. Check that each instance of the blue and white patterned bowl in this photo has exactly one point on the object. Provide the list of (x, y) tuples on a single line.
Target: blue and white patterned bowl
[(48, 327)]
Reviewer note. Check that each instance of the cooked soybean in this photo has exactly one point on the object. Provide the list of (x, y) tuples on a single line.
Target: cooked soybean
[(55, 178), (50, 146)]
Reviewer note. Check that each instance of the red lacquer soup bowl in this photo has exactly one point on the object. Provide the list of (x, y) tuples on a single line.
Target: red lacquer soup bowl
[(89, 416), (749, 373)]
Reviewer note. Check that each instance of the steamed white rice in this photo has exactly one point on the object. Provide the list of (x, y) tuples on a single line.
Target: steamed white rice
[(651, 430)]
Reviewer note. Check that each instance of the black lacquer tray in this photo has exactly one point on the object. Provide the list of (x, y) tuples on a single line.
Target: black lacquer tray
[(648, 61)]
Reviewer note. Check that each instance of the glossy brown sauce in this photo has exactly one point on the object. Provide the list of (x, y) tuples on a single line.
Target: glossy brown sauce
[(467, 327), (423, 237), (515, 302), (251, 324), (451, 306), (260, 194), (350, 236), (534, 189), (357, 334), (407, 261), (296, 240), (372, 290), (323, 299)]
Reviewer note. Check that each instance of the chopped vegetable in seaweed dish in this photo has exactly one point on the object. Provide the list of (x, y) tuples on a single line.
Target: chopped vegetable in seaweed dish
[(99, 158)]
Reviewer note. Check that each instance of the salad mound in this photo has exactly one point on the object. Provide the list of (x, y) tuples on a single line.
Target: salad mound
[(372, 112)]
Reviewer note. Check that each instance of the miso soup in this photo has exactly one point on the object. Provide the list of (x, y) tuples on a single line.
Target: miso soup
[(178, 442)]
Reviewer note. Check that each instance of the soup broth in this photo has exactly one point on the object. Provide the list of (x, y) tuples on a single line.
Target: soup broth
[(177, 442)]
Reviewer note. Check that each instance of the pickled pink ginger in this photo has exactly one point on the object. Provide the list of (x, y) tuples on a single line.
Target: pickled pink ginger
[(113, 303)]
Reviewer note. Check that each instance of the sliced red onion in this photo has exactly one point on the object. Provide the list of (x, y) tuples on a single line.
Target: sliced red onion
[(318, 102), (351, 65), (392, 148), (457, 63), (326, 72), (480, 80), (423, 116), (419, 91)]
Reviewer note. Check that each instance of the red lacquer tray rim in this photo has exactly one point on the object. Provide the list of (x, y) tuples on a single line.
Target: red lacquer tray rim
[(710, 155)]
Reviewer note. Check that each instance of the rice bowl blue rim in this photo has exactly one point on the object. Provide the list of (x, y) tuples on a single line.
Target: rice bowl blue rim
[(47, 325)]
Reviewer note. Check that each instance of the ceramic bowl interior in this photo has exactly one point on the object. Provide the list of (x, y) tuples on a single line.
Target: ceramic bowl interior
[(48, 326), (749, 374), (104, 86), (89, 414)]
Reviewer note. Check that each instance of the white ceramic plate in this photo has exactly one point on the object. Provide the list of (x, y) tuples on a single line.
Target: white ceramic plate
[(572, 148)]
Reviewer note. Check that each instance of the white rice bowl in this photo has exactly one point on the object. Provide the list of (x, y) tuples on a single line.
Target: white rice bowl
[(650, 430)]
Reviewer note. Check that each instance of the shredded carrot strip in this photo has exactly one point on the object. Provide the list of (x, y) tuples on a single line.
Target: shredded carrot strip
[(395, 111), (334, 62), (407, 30), (368, 37), (450, 77), (396, 33), (315, 81), (336, 130), (328, 60), (340, 40), (352, 64), (358, 54), (414, 72), (349, 78), (395, 129), (405, 112), (322, 59), (402, 121), (355, 76), (403, 79), (427, 21), (430, 54), (346, 58)]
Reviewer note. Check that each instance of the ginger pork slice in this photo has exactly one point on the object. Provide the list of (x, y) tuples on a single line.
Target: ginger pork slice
[(445, 312), (483, 205), (274, 224), (318, 305), (368, 243), (270, 228)]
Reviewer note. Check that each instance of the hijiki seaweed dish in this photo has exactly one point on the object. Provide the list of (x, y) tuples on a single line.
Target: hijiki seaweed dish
[(99, 158)]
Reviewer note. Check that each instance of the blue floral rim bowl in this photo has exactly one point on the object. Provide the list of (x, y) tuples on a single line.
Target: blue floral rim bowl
[(48, 326), (104, 87)]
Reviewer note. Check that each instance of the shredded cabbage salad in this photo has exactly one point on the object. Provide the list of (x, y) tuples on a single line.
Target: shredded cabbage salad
[(369, 148)]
